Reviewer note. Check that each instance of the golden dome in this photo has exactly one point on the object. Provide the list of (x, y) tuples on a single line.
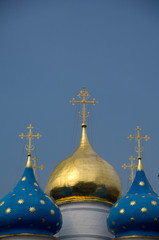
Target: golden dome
[(84, 176)]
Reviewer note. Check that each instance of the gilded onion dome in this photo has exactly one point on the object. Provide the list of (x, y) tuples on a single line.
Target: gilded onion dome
[(84, 176), (28, 210), (137, 213)]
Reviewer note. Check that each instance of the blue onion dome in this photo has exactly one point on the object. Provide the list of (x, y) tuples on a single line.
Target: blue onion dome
[(28, 210), (137, 213)]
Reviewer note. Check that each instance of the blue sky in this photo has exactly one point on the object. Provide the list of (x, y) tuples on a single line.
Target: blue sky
[(49, 51)]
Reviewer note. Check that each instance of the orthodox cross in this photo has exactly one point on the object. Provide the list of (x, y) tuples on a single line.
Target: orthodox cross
[(84, 95), (131, 166), (139, 149), (30, 147), (35, 166)]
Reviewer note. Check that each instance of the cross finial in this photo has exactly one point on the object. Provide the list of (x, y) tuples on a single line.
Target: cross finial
[(30, 147), (84, 95), (139, 149), (131, 166), (35, 166)]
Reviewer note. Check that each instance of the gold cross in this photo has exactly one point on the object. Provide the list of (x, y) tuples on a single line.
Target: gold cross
[(131, 166), (139, 149), (84, 95), (35, 159), (30, 147)]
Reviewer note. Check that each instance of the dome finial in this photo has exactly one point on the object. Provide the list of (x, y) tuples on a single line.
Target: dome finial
[(139, 149), (84, 95), (29, 147), (139, 166)]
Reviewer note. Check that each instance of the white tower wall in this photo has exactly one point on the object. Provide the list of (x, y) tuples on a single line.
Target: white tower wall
[(84, 221)]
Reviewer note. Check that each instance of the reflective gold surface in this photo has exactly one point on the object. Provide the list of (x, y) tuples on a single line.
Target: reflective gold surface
[(27, 234), (81, 199), (84, 176), (140, 167), (137, 236)]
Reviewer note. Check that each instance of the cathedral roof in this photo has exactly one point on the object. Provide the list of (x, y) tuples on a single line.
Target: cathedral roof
[(27, 209), (84, 176), (137, 213)]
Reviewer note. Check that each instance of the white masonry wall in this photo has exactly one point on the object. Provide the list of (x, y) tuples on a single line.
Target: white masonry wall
[(84, 221)]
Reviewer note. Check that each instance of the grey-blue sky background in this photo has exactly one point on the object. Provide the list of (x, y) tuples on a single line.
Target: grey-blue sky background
[(49, 50)]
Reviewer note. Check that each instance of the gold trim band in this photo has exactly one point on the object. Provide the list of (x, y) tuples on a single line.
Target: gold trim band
[(136, 236), (28, 234), (81, 199)]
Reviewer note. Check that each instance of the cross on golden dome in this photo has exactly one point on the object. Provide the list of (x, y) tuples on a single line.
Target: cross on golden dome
[(139, 149), (35, 166), (84, 95), (30, 147), (131, 166)]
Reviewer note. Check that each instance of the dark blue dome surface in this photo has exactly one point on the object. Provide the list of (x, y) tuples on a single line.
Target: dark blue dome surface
[(137, 213), (27, 209)]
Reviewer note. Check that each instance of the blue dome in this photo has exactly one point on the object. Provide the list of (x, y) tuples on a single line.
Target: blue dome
[(27, 209), (137, 213)]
